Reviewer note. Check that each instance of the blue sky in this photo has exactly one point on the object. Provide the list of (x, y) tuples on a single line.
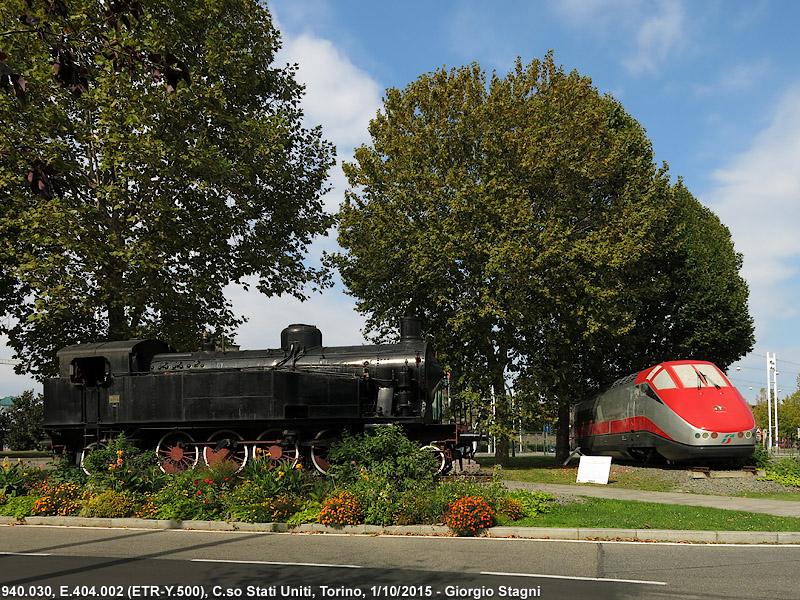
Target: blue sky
[(716, 84)]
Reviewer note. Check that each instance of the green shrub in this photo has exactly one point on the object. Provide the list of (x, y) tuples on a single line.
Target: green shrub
[(785, 471), (12, 479), (18, 507), (386, 454), (378, 467), (276, 480), (272, 510), (533, 503), (760, 457), (193, 495), (122, 466), (113, 504)]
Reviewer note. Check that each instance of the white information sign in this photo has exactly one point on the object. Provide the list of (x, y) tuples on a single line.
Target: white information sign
[(594, 469)]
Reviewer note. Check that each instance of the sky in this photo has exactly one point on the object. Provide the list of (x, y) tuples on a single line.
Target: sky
[(716, 85)]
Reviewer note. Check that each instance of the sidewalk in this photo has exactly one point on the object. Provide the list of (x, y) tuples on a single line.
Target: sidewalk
[(780, 508)]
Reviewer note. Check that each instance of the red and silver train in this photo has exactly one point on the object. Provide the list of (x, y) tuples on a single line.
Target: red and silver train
[(680, 411)]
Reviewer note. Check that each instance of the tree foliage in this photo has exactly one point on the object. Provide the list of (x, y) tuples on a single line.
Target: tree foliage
[(24, 423), (526, 221), (167, 163)]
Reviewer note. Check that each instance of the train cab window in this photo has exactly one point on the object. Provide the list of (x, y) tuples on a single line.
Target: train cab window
[(663, 380), (700, 376), (90, 370)]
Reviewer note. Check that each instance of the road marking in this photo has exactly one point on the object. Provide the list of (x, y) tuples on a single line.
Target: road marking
[(608, 579), (282, 564), (24, 554)]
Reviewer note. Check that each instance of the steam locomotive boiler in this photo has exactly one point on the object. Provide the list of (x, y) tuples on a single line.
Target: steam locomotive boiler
[(681, 411), (287, 404)]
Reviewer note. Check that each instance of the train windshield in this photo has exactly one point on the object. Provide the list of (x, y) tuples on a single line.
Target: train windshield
[(700, 376)]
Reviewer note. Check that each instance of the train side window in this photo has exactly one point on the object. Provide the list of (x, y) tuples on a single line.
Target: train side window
[(90, 370), (664, 381), (650, 392)]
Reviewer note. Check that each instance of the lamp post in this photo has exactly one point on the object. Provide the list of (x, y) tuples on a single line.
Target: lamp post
[(772, 399)]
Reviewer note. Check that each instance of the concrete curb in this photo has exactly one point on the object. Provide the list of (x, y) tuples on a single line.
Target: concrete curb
[(551, 533)]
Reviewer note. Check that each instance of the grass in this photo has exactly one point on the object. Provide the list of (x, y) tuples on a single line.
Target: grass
[(546, 469), (629, 514)]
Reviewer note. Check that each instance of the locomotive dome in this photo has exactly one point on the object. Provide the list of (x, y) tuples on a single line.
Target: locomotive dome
[(300, 336)]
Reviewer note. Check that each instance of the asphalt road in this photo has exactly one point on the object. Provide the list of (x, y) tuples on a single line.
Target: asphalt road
[(60, 562)]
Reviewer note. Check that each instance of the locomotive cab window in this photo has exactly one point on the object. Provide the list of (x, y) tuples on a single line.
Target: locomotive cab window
[(91, 370)]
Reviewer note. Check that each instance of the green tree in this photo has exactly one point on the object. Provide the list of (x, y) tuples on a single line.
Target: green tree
[(527, 222), (511, 216), (143, 200), (25, 422)]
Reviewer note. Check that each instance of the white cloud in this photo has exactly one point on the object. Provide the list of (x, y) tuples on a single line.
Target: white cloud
[(338, 95), (597, 14), (342, 99), (758, 197), (657, 37), (737, 78)]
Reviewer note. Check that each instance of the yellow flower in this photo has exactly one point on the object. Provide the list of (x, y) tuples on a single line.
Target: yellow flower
[(120, 453), (5, 464)]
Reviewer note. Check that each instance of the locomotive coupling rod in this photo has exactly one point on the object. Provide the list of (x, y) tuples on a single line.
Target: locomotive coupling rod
[(225, 443)]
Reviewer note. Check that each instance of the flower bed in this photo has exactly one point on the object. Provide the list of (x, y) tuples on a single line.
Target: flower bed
[(377, 479)]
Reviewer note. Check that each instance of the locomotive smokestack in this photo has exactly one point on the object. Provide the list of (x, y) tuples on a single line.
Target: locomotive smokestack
[(410, 329)]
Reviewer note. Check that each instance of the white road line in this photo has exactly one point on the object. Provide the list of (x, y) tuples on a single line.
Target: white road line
[(24, 554), (608, 579), (282, 564)]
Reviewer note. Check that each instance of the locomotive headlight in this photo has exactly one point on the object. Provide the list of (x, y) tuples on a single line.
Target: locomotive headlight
[(714, 435), (748, 434)]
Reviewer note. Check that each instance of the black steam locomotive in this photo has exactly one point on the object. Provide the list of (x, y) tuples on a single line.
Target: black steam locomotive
[(287, 404)]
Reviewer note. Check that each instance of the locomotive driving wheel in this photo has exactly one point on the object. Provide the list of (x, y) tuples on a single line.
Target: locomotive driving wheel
[(177, 452), (320, 446), (439, 455), (273, 446), (224, 446)]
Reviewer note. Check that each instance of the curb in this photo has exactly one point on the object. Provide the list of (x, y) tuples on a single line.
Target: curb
[(539, 533)]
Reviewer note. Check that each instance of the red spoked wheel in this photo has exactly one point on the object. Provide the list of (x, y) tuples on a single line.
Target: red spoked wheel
[(177, 452), (224, 446), (320, 446), (272, 446)]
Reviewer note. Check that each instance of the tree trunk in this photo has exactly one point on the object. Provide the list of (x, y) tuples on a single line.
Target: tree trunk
[(563, 433)]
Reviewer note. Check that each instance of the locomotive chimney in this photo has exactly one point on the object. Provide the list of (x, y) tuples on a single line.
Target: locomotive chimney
[(410, 329)]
